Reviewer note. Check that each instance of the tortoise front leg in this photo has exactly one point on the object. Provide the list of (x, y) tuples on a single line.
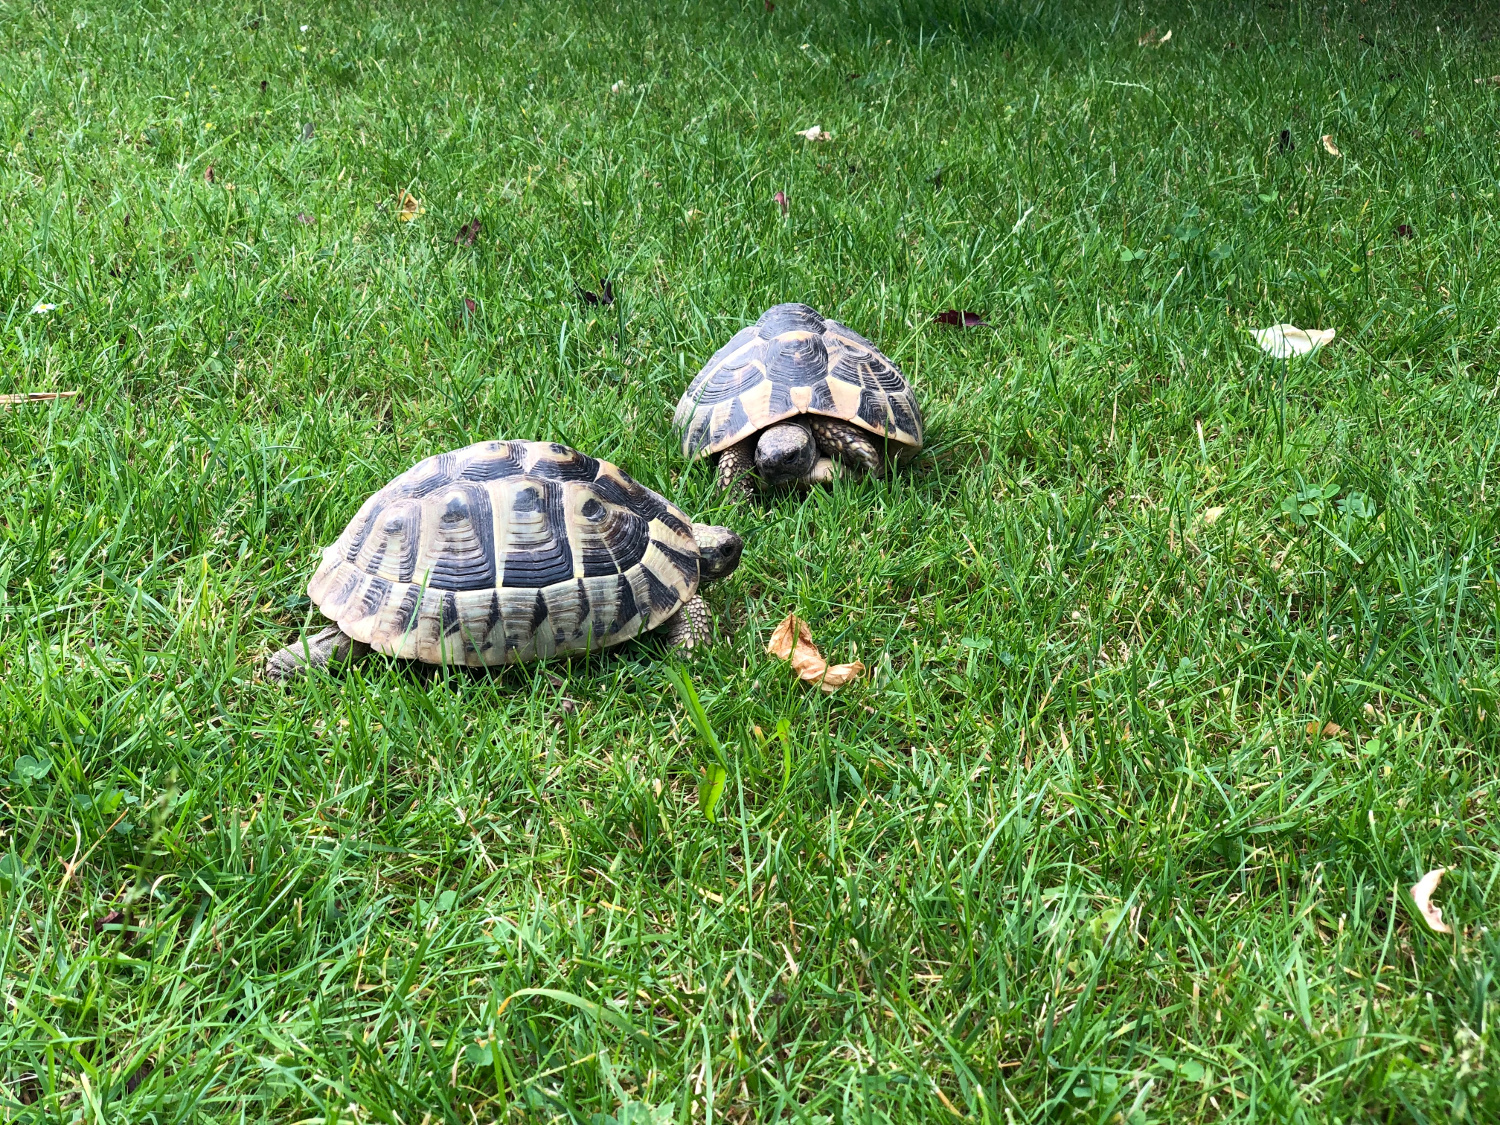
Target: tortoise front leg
[(848, 444), (331, 646), (735, 466), (692, 626)]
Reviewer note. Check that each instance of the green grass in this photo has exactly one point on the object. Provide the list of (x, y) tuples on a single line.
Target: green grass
[(1070, 852)]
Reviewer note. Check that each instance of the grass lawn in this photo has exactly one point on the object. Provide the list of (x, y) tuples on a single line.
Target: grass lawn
[(1185, 662)]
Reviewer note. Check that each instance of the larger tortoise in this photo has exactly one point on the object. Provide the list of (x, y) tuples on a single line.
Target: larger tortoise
[(507, 551), (794, 394)]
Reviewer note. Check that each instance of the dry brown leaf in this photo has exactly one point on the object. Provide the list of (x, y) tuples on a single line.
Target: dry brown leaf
[(1211, 515), (1150, 39), (1329, 147), (816, 133), (792, 641), (1421, 894), (409, 207), (1330, 730)]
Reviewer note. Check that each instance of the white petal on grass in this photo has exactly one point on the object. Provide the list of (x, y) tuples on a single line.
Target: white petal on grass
[(41, 308), (1421, 894), (617, 87), (1021, 222), (816, 133), (1284, 340), (1329, 147)]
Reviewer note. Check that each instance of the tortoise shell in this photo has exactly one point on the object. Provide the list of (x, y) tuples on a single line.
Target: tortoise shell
[(789, 362), (507, 551)]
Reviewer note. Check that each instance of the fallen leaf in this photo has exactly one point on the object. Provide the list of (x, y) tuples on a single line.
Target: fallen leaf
[(307, 131), (208, 174), (409, 207), (305, 219), (605, 296), (35, 396), (1492, 80), (770, 6), (792, 640), (1404, 231), (470, 306), (1211, 515), (1329, 147), (114, 917), (780, 198), (1150, 39), (816, 133), (617, 87), (1421, 894), (959, 318), (1285, 142), (467, 233), (692, 213), (1284, 340), (1330, 730)]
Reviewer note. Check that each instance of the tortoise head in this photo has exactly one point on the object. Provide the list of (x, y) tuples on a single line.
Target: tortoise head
[(718, 551)]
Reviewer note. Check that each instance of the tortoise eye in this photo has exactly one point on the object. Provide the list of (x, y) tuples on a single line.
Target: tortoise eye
[(593, 510)]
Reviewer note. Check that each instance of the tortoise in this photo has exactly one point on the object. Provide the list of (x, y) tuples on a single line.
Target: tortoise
[(505, 551), (791, 397)]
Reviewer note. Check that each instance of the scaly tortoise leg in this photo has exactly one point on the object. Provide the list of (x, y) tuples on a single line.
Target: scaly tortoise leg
[(848, 444), (331, 646), (736, 464), (692, 626)]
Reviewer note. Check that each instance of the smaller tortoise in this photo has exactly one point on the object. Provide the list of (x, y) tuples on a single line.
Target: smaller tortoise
[(507, 551), (794, 394)]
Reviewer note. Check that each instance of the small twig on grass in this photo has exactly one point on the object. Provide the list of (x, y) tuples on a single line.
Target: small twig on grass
[(35, 396)]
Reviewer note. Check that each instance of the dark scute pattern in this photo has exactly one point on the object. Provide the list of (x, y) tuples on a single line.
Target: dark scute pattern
[(538, 612), (795, 361), (584, 604), (450, 612), (406, 616), (907, 416), (467, 527), (616, 544), (357, 543), (492, 618), (592, 510), (822, 397), (687, 565), (698, 434), (720, 379), (625, 609), (573, 466), (872, 409), (376, 592), (626, 492), (485, 465), (424, 478), (735, 423), (663, 597), (791, 317), (540, 561)]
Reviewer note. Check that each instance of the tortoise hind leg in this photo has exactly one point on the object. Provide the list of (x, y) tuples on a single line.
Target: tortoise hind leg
[(331, 646), (692, 626), (735, 466), (848, 444)]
